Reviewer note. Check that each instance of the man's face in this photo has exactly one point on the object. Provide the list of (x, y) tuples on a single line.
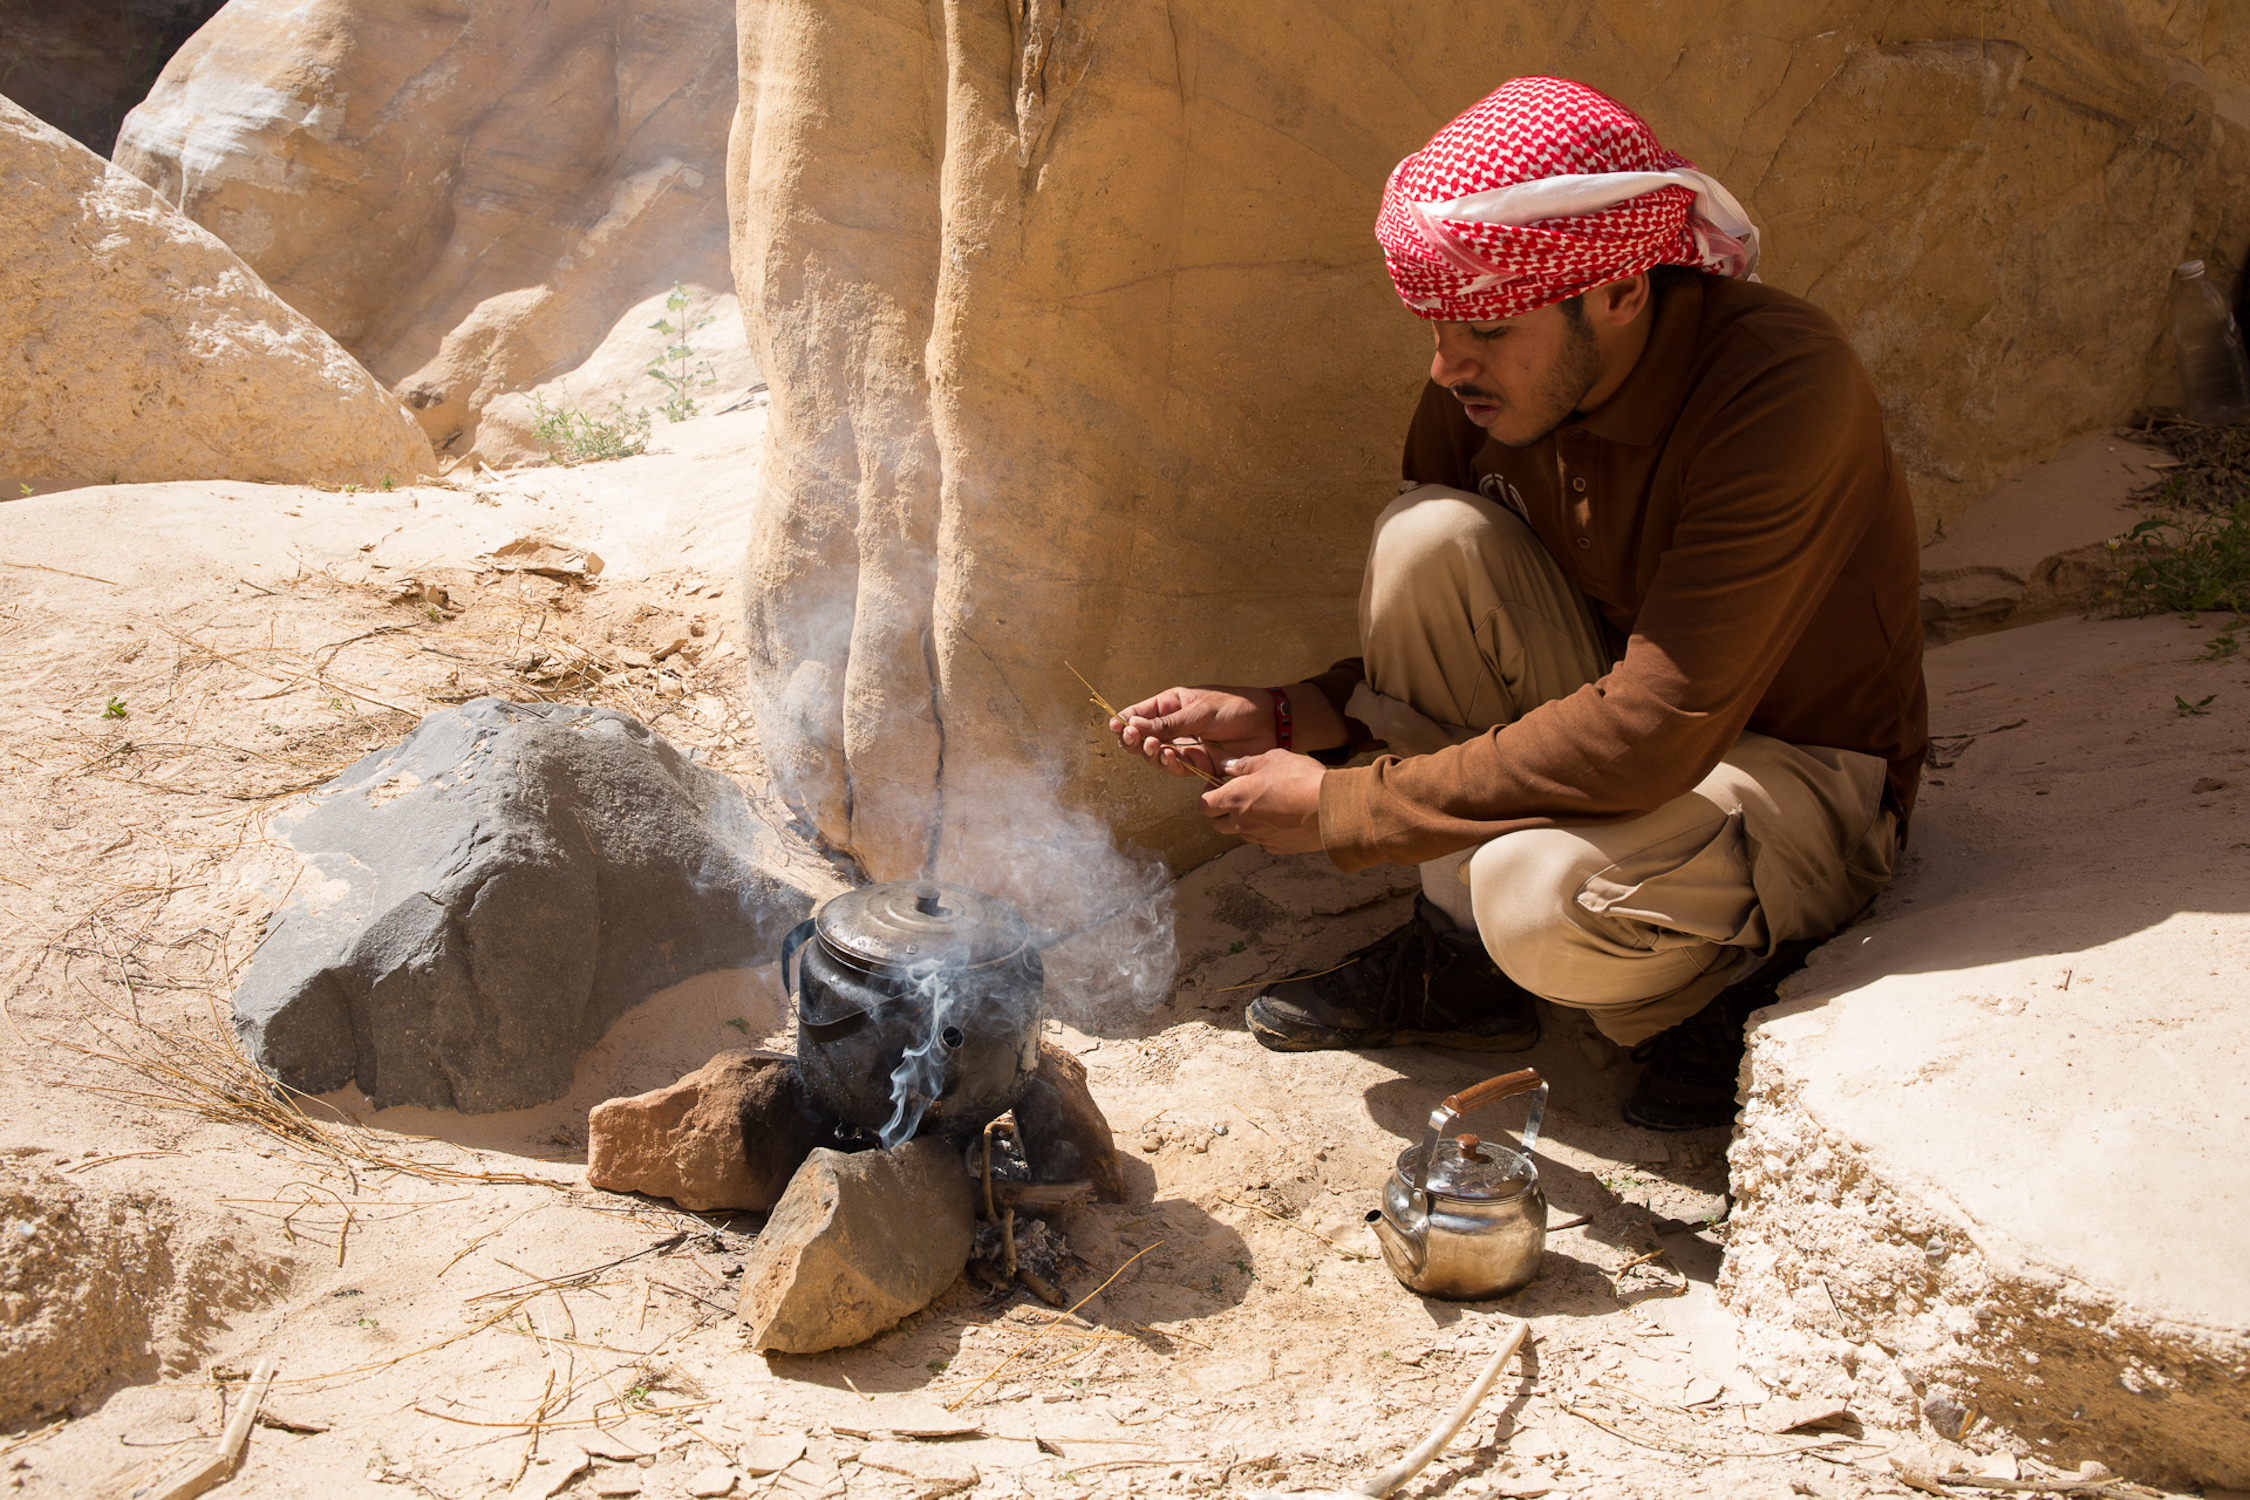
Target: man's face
[(1520, 378)]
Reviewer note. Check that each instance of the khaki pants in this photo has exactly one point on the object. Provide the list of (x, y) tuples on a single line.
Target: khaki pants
[(1467, 623)]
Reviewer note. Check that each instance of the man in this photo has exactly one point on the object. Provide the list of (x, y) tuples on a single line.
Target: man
[(1641, 631)]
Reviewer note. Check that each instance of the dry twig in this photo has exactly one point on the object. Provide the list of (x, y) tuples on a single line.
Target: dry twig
[(214, 1468), (32, 1437), (1671, 1445), (645, 1411), (43, 568), (538, 1417), (1104, 705), (1617, 1281), (2119, 1489)]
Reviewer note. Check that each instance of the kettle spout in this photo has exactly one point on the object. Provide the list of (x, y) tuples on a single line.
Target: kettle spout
[(1406, 1249)]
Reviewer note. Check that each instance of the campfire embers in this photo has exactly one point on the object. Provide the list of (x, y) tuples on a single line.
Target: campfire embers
[(1003, 1252), (918, 1007)]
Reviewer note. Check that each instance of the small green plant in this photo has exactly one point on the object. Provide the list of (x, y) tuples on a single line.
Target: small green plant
[(572, 437), (1236, 948), (1244, 1267), (114, 709), (739, 1024), (938, 1366), (2222, 646), (2200, 706), (2187, 560), (638, 1395), (337, 704), (677, 369), (387, 484), (26, 491), (351, 489)]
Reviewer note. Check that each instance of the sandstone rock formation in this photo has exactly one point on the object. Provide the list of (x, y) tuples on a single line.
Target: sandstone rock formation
[(858, 1242), (488, 896), (729, 1135), (1081, 347), (138, 348), (475, 200), (81, 64)]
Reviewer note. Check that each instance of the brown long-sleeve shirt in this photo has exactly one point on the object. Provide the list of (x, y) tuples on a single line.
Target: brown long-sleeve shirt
[(1746, 537)]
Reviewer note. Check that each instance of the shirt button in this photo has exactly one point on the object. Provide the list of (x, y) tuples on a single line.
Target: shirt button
[(1578, 485), (1584, 543)]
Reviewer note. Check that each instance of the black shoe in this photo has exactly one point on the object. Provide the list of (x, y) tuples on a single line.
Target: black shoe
[(1428, 982), (1689, 1081)]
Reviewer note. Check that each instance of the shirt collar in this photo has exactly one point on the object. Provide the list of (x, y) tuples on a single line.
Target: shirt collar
[(1653, 392)]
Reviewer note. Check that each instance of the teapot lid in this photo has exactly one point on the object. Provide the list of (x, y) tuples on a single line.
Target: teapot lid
[(902, 924), (1466, 1167)]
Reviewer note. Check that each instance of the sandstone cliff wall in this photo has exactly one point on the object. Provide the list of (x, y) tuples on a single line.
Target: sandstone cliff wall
[(1081, 346), (135, 347), (475, 200)]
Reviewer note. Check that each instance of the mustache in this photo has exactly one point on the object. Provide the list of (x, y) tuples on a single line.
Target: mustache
[(1467, 393)]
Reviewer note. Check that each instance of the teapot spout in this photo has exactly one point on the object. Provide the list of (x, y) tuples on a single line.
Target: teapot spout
[(1405, 1250)]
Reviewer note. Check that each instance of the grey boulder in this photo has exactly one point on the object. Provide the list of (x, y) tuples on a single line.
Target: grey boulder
[(482, 901)]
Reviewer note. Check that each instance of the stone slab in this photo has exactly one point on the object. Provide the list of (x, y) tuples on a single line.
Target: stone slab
[(1992, 1150)]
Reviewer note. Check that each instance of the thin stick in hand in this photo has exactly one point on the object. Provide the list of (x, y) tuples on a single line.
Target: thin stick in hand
[(1104, 705)]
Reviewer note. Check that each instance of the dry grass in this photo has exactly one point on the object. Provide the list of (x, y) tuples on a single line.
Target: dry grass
[(198, 1068)]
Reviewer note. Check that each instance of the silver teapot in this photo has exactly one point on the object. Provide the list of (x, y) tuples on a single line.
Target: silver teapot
[(1463, 1218)]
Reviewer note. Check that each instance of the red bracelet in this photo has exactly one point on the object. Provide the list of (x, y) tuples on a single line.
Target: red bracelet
[(1280, 717)]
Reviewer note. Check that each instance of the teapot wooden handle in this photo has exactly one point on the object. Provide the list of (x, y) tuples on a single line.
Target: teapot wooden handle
[(1507, 1085), (1491, 1089)]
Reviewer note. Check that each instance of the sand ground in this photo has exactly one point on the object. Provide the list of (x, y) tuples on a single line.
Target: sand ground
[(183, 659)]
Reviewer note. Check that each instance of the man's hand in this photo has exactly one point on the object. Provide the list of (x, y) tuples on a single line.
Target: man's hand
[(1273, 800), (1217, 723)]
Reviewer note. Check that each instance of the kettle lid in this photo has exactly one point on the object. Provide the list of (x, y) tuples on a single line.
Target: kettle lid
[(1466, 1167), (904, 924)]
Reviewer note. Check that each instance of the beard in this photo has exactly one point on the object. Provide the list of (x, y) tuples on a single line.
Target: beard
[(1577, 369)]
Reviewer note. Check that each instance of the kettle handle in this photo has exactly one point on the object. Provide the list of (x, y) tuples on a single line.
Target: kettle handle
[(1453, 1106), (797, 937)]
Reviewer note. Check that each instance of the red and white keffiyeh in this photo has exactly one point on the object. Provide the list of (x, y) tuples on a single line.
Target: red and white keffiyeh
[(1541, 191)]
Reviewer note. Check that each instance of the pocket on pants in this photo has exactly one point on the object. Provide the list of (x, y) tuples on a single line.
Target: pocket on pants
[(1684, 891)]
